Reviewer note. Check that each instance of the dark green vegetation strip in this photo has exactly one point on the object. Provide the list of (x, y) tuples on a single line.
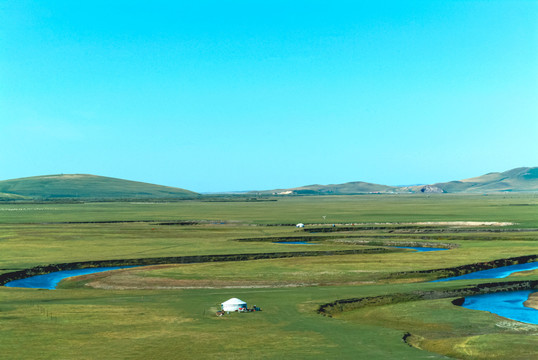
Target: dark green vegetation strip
[(342, 305), (46, 269), (289, 238), (351, 240), (388, 236)]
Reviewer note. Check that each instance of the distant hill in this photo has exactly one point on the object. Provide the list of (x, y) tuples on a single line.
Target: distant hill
[(350, 188), (92, 187), (519, 179), (85, 187), (523, 179)]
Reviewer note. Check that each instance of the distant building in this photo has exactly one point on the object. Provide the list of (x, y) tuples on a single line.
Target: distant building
[(300, 225)]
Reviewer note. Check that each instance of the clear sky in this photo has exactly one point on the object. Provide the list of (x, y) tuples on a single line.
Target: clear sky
[(249, 95)]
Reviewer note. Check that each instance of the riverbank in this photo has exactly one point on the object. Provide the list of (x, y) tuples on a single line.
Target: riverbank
[(532, 302)]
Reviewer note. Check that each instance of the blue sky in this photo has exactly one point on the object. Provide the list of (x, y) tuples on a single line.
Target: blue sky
[(244, 95)]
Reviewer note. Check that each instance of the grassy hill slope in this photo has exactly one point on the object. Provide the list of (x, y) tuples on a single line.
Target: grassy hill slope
[(519, 179), (82, 186)]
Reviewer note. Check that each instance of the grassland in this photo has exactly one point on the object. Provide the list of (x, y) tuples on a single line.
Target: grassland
[(168, 311)]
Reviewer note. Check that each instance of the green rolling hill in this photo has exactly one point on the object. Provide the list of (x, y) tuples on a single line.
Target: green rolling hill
[(85, 187)]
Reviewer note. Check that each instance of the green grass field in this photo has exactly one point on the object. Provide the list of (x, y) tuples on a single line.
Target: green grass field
[(168, 311)]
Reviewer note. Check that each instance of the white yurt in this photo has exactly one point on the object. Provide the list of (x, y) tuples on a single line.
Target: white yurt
[(300, 225), (234, 304)]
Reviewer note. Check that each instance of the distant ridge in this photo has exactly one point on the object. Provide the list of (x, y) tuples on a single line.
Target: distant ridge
[(85, 187), (100, 188), (350, 188), (518, 179), (523, 179)]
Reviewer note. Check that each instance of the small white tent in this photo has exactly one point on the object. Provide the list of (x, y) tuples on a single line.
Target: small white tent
[(299, 225), (234, 304)]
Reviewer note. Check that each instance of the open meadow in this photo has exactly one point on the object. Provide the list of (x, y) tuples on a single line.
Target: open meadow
[(168, 310)]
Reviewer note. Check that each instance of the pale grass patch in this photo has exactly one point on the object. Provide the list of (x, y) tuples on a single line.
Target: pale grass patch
[(516, 326)]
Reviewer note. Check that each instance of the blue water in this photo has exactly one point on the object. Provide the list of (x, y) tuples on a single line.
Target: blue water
[(505, 304), (420, 249), (50, 281), (497, 273), (294, 242)]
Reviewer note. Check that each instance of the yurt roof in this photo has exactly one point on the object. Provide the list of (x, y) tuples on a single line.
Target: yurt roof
[(234, 301)]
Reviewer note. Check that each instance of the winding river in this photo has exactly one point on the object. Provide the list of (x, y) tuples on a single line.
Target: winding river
[(50, 281), (496, 273), (506, 304), (420, 249)]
